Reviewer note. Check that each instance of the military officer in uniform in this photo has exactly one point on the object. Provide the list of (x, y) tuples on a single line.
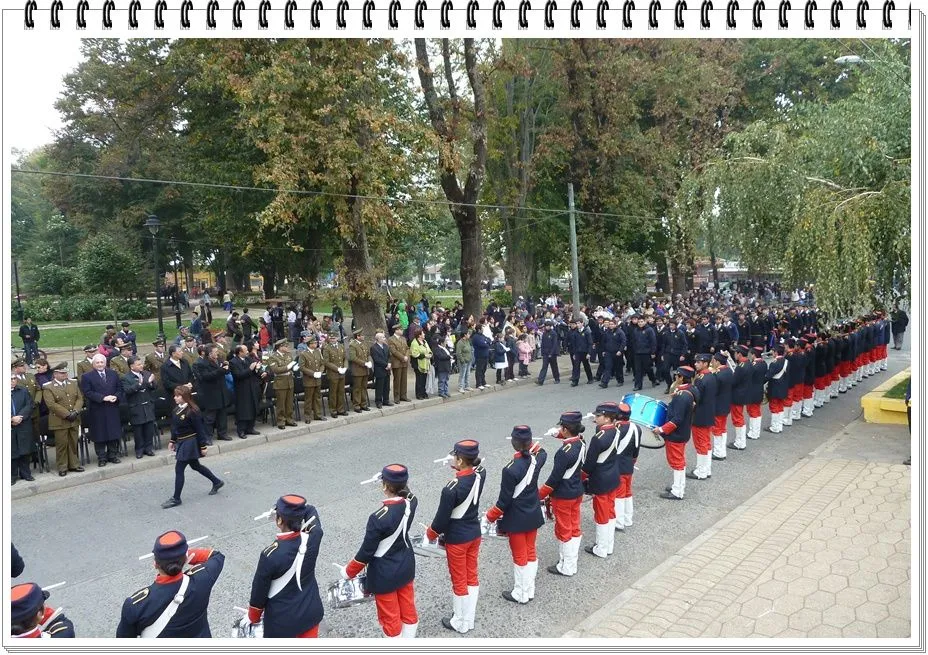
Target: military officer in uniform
[(31, 619), (284, 591), (65, 402), (334, 353), (120, 363), (565, 490), (676, 431), (190, 350), (359, 358), (399, 363), (282, 366), (86, 364), (312, 366), (175, 604), (602, 469), (155, 360), (388, 556)]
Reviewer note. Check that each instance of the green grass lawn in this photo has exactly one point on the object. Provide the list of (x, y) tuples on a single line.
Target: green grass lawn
[(898, 391)]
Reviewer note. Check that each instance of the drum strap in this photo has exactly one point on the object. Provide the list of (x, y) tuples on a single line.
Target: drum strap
[(386, 544), (603, 456), (523, 483), (633, 432), (782, 371), (277, 584), (472, 499), (155, 629), (580, 457)]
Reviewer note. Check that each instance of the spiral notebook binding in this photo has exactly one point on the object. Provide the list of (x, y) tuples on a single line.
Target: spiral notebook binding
[(263, 8), (782, 19), (678, 10), (627, 8), (575, 8), (524, 7), (704, 21), (811, 6), (471, 18), (730, 21), (550, 8), (601, 8), (756, 20), (652, 13), (836, 7), (888, 6), (340, 9), (237, 7), (211, 7), (862, 6)]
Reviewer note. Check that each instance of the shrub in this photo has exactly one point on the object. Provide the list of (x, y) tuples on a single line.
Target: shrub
[(82, 308), (501, 297)]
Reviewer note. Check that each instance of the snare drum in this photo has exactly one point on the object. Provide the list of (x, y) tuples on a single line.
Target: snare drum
[(347, 593), (493, 531), (646, 411), (422, 546), (243, 629)]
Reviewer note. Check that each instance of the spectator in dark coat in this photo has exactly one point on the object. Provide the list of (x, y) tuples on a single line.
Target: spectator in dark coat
[(175, 372), (139, 387), (17, 565), (212, 392), (247, 376), (481, 344), (103, 392), (900, 320), (21, 444)]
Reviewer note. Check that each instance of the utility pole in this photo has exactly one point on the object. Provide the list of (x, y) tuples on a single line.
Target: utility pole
[(574, 265)]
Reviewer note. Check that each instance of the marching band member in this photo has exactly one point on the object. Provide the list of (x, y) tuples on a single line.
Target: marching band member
[(565, 490), (703, 418), (676, 431), (740, 392), (723, 377), (175, 604), (796, 370), (602, 467), (627, 450), (458, 519), (755, 398), (808, 378), (778, 390), (519, 512), (284, 591), (31, 619), (388, 556)]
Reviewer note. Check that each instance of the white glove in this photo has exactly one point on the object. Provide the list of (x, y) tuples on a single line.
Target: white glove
[(293, 366), (484, 525), (317, 374), (589, 416), (342, 370), (553, 432), (368, 364), (343, 572)]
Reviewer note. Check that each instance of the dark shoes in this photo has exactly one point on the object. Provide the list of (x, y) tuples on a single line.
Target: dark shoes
[(718, 459), (80, 469), (114, 460), (512, 599), (170, 502), (216, 487), (539, 382), (446, 622), (908, 460), (290, 424), (343, 413), (732, 445), (603, 386), (574, 384), (252, 432), (225, 438), (319, 418), (692, 476), (137, 456), (148, 453), (101, 462), (379, 405), (280, 427), (357, 411), (388, 404), (61, 474), (669, 496), (553, 569)]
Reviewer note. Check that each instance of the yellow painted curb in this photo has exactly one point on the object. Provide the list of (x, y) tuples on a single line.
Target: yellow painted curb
[(879, 409)]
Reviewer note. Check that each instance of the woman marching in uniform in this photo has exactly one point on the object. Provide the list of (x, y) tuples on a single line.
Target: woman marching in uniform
[(284, 591), (388, 556), (566, 491), (457, 518), (519, 512), (188, 441)]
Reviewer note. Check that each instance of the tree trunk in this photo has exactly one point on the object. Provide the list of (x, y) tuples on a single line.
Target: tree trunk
[(269, 273), (188, 273), (471, 259), (663, 275), (361, 286)]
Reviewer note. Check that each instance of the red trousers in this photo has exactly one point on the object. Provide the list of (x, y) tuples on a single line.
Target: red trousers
[(776, 406), (737, 416), (754, 410), (721, 425), (701, 439), (312, 633), (522, 547), (604, 507), (795, 394), (462, 565), (676, 455), (821, 383), (395, 609), (625, 486), (807, 391), (566, 518)]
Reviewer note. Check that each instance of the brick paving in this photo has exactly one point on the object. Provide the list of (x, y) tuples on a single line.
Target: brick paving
[(823, 551)]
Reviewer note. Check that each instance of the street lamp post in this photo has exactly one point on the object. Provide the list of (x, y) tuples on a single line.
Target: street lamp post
[(173, 243), (153, 225)]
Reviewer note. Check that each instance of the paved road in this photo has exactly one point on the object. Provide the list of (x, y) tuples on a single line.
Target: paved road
[(91, 536)]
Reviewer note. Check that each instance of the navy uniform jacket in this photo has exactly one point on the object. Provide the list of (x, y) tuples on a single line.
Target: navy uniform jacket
[(564, 460), (797, 367), (707, 389), (778, 388), (680, 414), (723, 379), (758, 378), (811, 356), (522, 511), (821, 360), (549, 347), (675, 345), (579, 342), (467, 527), (643, 341), (187, 433), (291, 612), (628, 448), (396, 567), (604, 477), (143, 608), (54, 625), (705, 339), (741, 384)]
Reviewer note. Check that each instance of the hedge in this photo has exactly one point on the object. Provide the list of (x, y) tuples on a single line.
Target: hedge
[(81, 308)]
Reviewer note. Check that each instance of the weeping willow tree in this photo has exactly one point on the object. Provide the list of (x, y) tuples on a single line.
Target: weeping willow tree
[(823, 193)]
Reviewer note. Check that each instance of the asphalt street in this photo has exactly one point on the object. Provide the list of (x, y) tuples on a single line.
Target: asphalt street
[(92, 536)]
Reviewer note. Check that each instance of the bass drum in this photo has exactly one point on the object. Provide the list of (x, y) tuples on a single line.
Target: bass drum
[(348, 593), (646, 411)]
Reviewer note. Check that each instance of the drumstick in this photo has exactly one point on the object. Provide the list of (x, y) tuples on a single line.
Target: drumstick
[(265, 515), (533, 438), (444, 460), (376, 478), (54, 586), (192, 541), (240, 609)]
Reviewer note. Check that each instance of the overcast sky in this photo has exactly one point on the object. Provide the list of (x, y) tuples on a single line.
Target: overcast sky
[(31, 85)]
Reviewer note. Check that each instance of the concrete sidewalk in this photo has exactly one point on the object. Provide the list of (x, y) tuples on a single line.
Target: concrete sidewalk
[(823, 551)]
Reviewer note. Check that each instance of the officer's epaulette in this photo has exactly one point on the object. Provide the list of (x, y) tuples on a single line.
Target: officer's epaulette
[(195, 569), (511, 462), (55, 628), (270, 549), (380, 513), (451, 484), (47, 383), (567, 447), (410, 497), (140, 595)]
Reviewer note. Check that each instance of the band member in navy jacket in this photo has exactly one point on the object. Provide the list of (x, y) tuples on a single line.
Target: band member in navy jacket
[(676, 431), (740, 392), (153, 611), (518, 511), (703, 419), (564, 490), (627, 450), (388, 556), (755, 398), (778, 389), (31, 618), (457, 518), (723, 378), (284, 592), (601, 465)]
